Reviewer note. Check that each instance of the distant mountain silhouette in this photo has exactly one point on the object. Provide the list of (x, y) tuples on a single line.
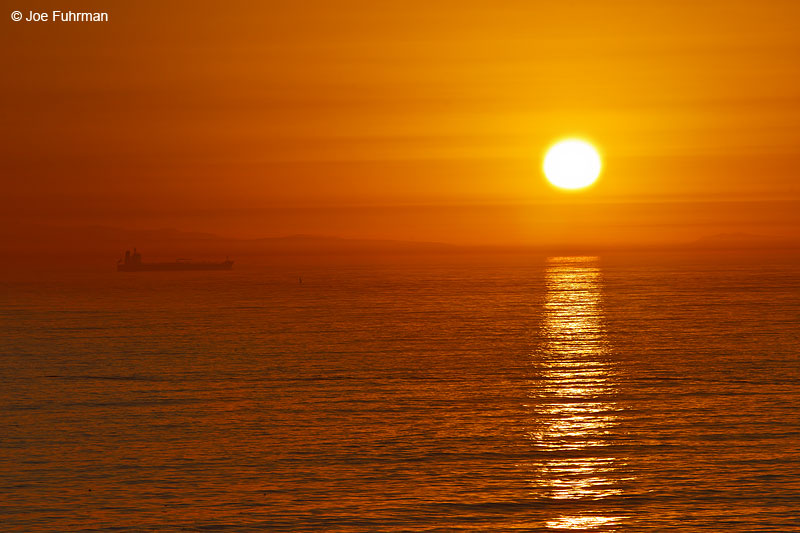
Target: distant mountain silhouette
[(168, 243), (102, 243), (743, 241), (317, 241)]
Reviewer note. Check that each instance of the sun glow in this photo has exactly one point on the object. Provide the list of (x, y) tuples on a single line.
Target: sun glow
[(572, 164)]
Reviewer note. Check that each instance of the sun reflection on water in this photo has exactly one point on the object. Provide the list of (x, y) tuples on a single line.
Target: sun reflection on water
[(574, 414)]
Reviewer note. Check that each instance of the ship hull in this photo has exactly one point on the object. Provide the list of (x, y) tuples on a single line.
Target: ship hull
[(173, 267)]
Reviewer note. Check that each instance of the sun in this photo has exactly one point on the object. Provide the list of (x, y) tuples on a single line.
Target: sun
[(572, 164)]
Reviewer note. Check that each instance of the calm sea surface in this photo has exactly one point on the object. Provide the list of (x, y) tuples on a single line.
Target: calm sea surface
[(635, 393)]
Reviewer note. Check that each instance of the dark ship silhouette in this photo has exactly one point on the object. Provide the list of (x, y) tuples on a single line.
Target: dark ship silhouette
[(133, 263)]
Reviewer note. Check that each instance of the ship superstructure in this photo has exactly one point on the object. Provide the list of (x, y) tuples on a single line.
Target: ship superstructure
[(132, 262)]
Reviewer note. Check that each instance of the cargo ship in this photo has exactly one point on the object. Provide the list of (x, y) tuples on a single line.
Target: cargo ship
[(133, 263)]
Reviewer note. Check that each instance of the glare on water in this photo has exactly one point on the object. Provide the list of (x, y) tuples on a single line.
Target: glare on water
[(573, 410)]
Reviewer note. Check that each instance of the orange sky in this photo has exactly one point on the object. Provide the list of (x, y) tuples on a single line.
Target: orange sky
[(411, 120)]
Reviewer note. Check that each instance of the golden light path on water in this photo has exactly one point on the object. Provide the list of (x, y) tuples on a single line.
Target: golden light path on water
[(574, 413)]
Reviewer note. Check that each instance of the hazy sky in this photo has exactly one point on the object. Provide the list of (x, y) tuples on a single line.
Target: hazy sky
[(415, 120)]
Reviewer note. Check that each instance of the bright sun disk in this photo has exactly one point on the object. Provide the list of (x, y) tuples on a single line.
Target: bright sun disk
[(572, 164)]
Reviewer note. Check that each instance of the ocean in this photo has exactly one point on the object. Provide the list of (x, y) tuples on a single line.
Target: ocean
[(621, 392)]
